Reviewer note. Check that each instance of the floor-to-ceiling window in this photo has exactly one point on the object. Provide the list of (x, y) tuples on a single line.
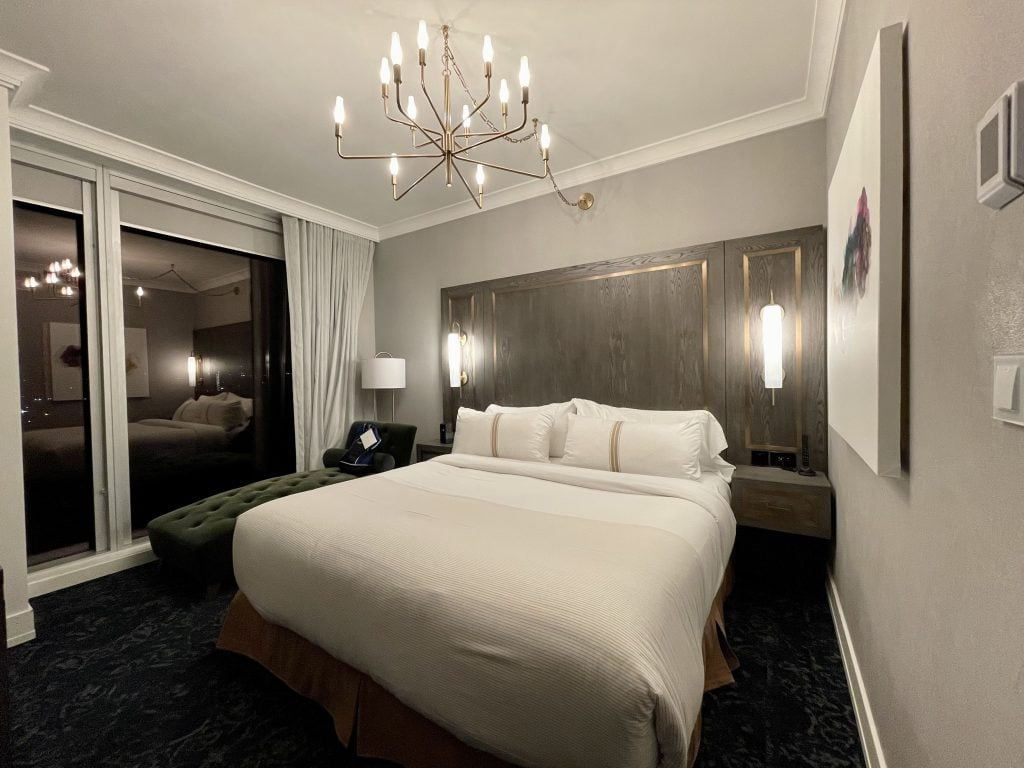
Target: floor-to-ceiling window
[(154, 358), (191, 376), (55, 361)]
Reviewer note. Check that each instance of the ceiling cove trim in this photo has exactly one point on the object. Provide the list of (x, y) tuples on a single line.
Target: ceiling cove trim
[(49, 125), (20, 77), (825, 29)]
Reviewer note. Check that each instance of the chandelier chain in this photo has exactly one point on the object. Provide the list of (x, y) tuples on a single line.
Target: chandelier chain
[(447, 56)]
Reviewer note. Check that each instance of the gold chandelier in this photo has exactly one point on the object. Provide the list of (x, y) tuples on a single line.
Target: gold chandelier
[(451, 143)]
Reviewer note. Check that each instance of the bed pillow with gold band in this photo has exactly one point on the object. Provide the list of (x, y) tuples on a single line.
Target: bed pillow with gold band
[(559, 427), (714, 435), (525, 436), (665, 450)]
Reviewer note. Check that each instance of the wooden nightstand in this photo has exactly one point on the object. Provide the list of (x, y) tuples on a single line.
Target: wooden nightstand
[(431, 449), (772, 498)]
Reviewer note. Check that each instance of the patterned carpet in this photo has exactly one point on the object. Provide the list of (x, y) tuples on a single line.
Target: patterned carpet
[(123, 674)]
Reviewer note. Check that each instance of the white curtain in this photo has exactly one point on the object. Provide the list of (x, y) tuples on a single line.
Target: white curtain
[(328, 272)]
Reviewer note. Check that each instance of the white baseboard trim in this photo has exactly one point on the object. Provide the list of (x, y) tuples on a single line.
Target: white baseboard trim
[(21, 627), (874, 757), (68, 574)]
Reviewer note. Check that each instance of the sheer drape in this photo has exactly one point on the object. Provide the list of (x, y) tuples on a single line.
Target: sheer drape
[(328, 272)]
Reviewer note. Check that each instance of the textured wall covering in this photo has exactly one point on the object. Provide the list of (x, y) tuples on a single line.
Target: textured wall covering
[(766, 184), (929, 566)]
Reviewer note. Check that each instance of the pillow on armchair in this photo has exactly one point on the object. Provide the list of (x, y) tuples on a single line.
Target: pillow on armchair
[(395, 449)]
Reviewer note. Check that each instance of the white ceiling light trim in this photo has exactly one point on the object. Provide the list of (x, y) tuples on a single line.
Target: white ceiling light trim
[(828, 19), (49, 125), (738, 129)]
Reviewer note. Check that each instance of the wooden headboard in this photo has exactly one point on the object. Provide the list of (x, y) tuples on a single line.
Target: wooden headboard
[(669, 330)]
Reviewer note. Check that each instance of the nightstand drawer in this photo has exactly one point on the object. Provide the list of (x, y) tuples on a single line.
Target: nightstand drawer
[(780, 508)]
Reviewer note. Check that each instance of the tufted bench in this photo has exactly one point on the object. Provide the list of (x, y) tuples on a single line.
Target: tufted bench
[(197, 538)]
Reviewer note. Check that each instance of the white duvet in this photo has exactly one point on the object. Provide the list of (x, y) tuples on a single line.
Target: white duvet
[(549, 615)]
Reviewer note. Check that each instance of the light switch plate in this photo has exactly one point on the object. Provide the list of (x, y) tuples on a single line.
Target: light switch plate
[(1007, 402)]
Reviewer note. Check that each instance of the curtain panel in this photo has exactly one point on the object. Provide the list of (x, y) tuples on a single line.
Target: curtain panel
[(328, 272)]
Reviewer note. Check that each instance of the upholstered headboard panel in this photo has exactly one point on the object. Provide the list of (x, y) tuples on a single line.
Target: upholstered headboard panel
[(668, 330)]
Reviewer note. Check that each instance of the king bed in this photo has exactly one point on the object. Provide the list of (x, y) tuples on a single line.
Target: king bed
[(480, 610)]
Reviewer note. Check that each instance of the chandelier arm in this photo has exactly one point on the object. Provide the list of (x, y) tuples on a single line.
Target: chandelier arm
[(481, 104), (407, 124), (506, 168), (494, 136), (421, 178), (381, 157), (426, 94), (469, 189), (398, 103)]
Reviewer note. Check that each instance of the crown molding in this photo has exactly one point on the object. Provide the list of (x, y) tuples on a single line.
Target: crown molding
[(729, 132), (49, 125), (825, 29), (20, 77), (828, 18)]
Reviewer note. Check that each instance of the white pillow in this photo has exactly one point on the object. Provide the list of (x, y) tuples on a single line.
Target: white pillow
[(714, 435), (524, 436), (227, 415), (231, 397), (559, 427), (664, 450)]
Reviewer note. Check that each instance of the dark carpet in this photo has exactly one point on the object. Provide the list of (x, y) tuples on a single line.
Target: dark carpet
[(124, 673)]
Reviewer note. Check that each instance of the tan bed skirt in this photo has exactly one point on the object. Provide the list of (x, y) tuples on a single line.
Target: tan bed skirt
[(380, 724)]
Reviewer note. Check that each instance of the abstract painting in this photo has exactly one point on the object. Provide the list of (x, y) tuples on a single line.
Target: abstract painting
[(865, 265), (63, 351)]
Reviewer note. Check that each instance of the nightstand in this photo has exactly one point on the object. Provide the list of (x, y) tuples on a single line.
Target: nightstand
[(772, 498), (431, 449)]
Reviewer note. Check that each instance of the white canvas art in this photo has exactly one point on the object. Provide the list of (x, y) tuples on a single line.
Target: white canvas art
[(865, 264), (63, 350)]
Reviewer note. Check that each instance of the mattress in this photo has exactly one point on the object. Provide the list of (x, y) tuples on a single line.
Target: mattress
[(550, 615)]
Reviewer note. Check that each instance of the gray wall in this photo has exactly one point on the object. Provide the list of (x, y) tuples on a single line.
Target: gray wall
[(769, 183), (168, 317), (930, 566), (225, 308)]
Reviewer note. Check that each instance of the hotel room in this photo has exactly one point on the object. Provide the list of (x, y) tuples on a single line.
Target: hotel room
[(489, 385)]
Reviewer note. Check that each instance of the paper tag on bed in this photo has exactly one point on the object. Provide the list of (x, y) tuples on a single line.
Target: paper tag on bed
[(368, 439)]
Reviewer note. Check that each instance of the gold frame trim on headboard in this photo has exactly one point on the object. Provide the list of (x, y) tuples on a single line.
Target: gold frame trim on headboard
[(797, 252), (705, 310)]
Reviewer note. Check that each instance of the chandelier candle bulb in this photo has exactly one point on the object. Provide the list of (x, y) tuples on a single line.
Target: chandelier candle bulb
[(524, 78), (422, 38), (410, 108), (339, 115), (466, 120), (545, 141)]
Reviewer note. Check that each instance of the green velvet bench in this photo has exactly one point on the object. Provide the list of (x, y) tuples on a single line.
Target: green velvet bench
[(196, 539)]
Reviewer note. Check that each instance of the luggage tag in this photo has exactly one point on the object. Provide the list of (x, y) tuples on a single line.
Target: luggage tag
[(368, 439)]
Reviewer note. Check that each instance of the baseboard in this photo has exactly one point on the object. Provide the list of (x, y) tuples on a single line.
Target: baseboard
[(21, 627), (82, 569), (874, 757)]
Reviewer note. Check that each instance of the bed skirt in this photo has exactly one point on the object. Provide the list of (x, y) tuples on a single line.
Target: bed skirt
[(376, 724)]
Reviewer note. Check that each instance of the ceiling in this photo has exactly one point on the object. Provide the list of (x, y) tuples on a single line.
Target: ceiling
[(42, 238), (246, 87)]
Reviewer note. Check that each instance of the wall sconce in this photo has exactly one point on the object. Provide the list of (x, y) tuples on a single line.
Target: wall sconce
[(771, 339), (457, 377), (140, 293), (383, 372), (195, 371)]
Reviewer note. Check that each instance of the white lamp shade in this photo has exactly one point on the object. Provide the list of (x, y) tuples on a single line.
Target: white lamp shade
[(771, 335), (384, 373), (192, 370)]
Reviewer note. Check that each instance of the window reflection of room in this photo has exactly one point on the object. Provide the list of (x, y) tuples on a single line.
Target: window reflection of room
[(53, 364)]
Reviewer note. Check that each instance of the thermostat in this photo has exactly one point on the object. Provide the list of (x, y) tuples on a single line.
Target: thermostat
[(1000, 149)]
